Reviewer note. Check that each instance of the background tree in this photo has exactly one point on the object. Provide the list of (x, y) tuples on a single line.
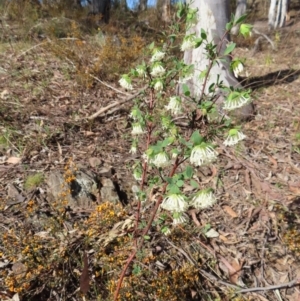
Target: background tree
[(142, 5), (213, 17), (101, 7), (278, 13), (164, 9), (241, 7)]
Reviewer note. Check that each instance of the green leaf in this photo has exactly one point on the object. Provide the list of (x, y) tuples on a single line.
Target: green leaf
[(229, 25), (165, 229), (179, 183), (196, 138), (151, 46), (194, 184), (198, 42), (202, 74), (240, 19), (136, 270), (169, 180), (206, 228), (186, 90), (172, 37), (203, 34), (245, 30), (173, 189), (167, 141), (211, 88), (229, 48), (147, 237), (188, 173)]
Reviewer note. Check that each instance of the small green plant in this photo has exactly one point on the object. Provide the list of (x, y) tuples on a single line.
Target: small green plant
[(3, 141), (268, 60), (33, 181)]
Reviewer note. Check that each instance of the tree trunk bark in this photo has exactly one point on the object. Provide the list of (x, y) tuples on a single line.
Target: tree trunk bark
[(143, 5), (164, 9), (241, 7), (278, 13), (101, 7), (213, 17)]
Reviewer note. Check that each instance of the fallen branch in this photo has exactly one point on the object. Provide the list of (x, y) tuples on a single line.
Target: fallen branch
[(107, 85), (118, 103), (257, 42), (270, 287)]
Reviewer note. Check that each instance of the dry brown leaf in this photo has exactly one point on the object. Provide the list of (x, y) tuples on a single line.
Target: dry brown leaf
[(235, 276), (13, 160), (230, 269), (223, 238), (193, 293), (214, 171), (273, 161), (230, 211), (88, 133), (94, 161), (295, 184), (256, 184), (192, 212), (198, 114), (4, 94), (294, 189)]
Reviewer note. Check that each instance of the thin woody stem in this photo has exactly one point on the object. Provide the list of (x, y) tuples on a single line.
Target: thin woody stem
[(133, 254)]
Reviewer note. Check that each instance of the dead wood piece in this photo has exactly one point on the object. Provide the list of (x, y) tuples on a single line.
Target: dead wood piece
[(117, 103)]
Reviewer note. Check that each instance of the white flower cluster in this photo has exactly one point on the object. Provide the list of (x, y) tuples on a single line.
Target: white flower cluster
[(234, 137), (161, 160), (174, 105), (135, 113), (158, 86), (158, 70), (233, 103), (133, 149), (203, 154), (157, 56), (137, 129), (125, 82), (137, 174), (188, 42), (204, 199), (178, 219), (174, 203), (141, 70), (238, 69)]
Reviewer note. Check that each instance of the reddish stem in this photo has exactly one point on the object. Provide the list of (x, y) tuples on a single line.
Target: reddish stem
[(132, 256)]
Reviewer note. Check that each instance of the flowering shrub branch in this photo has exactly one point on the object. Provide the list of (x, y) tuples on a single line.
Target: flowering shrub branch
[(165, 149)]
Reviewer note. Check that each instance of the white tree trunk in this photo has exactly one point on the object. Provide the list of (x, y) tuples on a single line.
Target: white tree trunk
[(241, 7), (212, 17), (277, 13)]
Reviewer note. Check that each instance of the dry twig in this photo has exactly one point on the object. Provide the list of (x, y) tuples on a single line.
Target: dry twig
[(118, 103)]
